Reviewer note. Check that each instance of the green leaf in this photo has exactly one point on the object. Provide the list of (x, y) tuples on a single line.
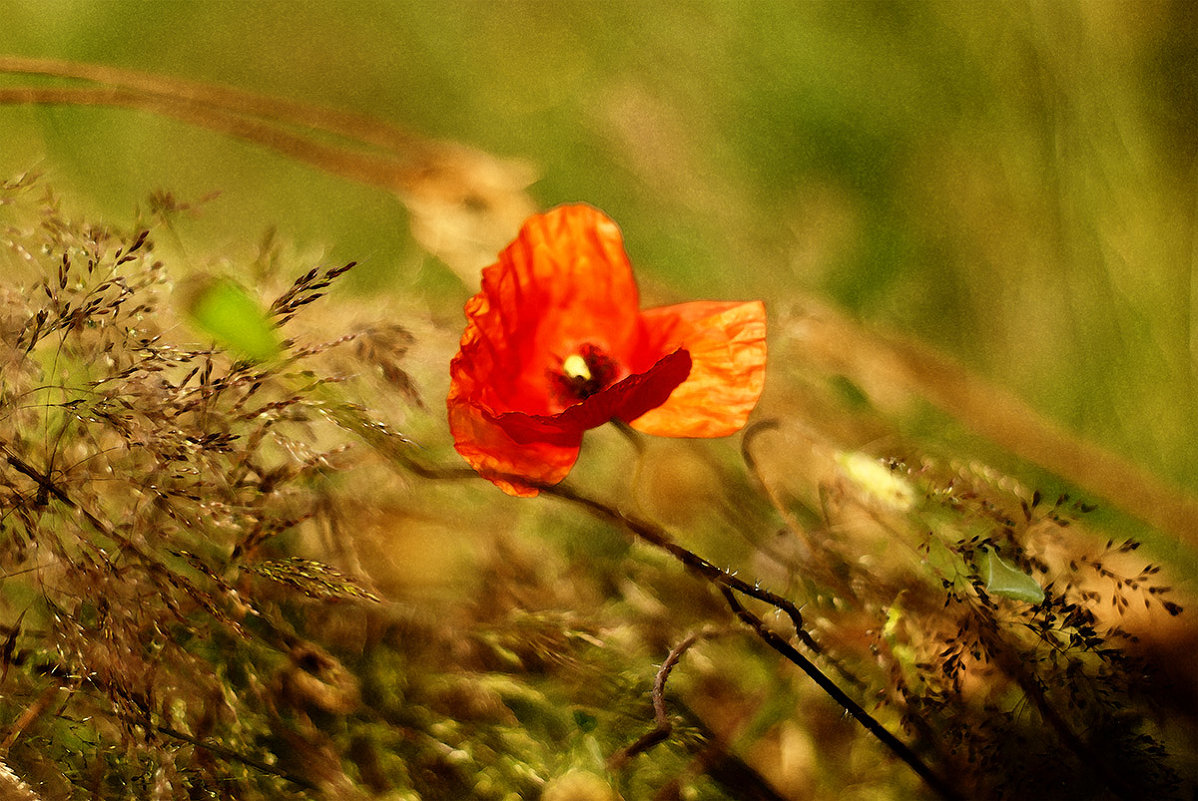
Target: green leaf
[(228, 313), (1010, 582), (585, 720)]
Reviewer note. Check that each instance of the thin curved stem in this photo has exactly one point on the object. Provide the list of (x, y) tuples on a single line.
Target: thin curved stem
[(661, 719), (657, 536), (896, 746), (730, 586), (245, 759), (372, 168), (346, 124)]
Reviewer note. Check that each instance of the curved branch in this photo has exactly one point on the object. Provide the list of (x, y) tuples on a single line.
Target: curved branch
[(729, 586), (896, 746), (374, 169), (661, 719), (361, 128)]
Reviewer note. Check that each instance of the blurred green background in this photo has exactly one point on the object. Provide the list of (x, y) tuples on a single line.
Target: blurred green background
[(1013, 183)]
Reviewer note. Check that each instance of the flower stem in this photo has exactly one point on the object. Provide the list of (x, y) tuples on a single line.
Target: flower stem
[(729, 585), (661, 720), (871, 724)]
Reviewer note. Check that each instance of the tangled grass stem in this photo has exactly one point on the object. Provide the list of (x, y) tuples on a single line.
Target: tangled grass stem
[(228, 753), (871, 724), (661, 719), (729, 586)]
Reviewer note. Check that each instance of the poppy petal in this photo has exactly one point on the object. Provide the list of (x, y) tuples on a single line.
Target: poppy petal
[(565, 282), (726, 341), (512, 466), (626, 400)]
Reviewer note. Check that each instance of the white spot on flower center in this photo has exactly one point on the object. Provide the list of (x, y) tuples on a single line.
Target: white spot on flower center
[(576, 367)]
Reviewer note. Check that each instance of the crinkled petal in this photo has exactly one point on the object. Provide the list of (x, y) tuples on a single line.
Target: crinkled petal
[(563, 283), (726, 341), (625, 400), (512, 466)]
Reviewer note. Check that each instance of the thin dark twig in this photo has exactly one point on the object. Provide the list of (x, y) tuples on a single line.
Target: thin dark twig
[(47, 485), (661, 719), (658, 537), (896, 746), (229, 753), (729, 585)]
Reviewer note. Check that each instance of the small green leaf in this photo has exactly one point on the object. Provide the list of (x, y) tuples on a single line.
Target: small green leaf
[(228, 313), (1010, 582), (585, 720)]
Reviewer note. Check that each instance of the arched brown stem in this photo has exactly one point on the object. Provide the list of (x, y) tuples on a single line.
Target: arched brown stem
[(896, 746), (661, 719), (373, 168), (346, 124), (730, 587)]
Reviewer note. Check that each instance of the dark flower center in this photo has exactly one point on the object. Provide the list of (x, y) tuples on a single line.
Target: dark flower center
[(582, 374)]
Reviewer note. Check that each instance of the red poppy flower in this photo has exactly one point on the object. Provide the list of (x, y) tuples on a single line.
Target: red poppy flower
[(556, 343)]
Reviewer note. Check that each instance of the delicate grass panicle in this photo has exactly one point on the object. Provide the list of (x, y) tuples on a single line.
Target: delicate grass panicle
[(143, 482)]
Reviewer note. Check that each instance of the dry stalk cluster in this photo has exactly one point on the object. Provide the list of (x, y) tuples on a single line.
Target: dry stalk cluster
[(1020, 656), (143, 483)]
